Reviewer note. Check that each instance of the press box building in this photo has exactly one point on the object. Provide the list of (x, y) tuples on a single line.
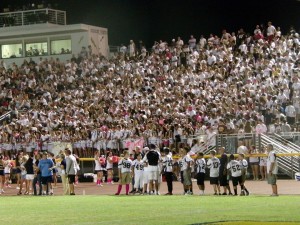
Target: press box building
[(45, 33)]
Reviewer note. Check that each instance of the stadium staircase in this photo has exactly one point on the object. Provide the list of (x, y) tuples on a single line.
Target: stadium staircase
[(288, 165)]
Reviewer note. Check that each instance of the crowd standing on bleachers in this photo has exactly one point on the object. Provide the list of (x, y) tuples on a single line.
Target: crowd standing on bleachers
[(233, 83)]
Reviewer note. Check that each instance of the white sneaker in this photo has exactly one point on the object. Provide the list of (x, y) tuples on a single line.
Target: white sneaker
[(158, 193), (274, 195), (101, 185), (18, 188)]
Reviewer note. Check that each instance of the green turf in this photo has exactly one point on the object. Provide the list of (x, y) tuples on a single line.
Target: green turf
[(146, 209)]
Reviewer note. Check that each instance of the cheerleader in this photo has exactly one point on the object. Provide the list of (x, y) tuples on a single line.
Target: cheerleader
[(23, 173), (18, 169), (263, 165), (98, 168), (109, 168), (254, 162), (7, 170), (29, 173)]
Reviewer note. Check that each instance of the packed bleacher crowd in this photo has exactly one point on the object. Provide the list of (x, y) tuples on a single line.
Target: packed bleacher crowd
[(163, 97), (233, 83)]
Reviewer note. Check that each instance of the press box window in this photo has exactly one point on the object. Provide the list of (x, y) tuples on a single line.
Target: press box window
[(36, 49), (11, 51), (61, 47)]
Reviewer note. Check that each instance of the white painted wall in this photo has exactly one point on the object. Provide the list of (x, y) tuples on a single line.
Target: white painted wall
[(80, 35)]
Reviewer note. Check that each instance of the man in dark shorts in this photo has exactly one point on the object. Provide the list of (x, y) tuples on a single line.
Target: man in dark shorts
[(223, 171), (71, 169), (45, 166)]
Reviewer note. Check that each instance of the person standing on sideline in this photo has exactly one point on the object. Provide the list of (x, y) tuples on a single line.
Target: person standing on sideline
[(98, 169), (152, 157), (236, 173), (187, 173), (168, 169), (200, 165), (137, 171), (244, 166), (109, 168), (125, 173), (37, 175), (45, 166), (30, 174), (254, 162), (223, 171), (71, 169), (272, 169), (64, 178), (214, 164)]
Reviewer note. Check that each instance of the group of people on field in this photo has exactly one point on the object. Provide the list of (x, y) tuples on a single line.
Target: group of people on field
[(146, 169), (37, 173)]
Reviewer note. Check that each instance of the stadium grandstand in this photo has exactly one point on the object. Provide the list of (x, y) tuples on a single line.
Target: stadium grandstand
[(239, 90)]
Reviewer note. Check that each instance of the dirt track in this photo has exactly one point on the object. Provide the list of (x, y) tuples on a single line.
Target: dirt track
[(285, 187)]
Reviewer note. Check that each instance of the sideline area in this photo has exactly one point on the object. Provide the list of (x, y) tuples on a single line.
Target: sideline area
[(285, 187)]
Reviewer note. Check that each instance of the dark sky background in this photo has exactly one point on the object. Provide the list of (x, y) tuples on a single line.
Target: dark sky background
[(150, 20)]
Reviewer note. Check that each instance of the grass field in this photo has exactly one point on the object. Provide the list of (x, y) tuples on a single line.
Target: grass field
[(149, 210)]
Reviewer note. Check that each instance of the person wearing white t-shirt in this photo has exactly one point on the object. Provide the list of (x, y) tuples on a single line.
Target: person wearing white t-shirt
[(272, 169), (146, 172), (242, 149), (236, 173), (263, 164), (271, 31), (214, 164), (290, 114), (138, 169), (244, 167), (168, 169), (254, 162), (125, 174), (98, 169), (200, 165), (261, 128)]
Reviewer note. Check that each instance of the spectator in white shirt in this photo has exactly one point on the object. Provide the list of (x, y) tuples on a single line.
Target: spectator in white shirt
[(290, 114)]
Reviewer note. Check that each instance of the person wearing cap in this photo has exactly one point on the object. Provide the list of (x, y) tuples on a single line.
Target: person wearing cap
[(45, 166), (152, 158)]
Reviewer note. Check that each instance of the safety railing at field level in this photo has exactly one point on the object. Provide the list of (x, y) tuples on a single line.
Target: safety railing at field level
[(289, 164)]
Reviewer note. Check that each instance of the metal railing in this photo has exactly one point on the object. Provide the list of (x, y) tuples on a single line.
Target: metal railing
[(231, 141), (5, 117), (37, 16), (288, 165)]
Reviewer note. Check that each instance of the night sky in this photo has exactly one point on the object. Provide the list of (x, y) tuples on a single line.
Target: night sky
[(150, 20)]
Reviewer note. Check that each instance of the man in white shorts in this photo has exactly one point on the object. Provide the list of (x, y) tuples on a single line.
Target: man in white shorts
[(153, 157)]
